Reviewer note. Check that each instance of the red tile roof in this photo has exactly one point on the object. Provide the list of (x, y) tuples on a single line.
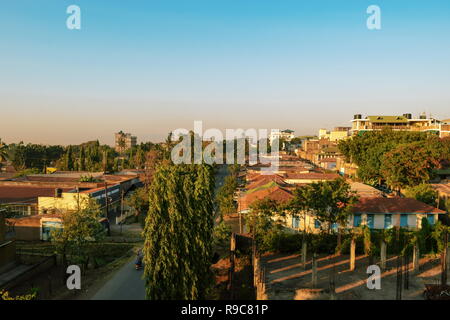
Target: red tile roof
[(311, 176), (264, 179), (393, 205), (13, 194), (275, 193)]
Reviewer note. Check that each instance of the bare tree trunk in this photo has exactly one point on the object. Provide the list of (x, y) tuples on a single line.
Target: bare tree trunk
[(416, 258), (339, 242), (304, 253), (352, 254), (383, 255)]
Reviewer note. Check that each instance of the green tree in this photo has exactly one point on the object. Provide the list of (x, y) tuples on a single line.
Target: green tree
[(139, 201), (409, 164), (368, 149), (69, 159), (225, 195), (82, 160), (80, 230), (261, 219), (3, 151), (423, 192), (329, 201), (178, 232)]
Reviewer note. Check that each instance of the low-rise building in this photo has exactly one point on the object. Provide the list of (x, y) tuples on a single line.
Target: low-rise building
[(305, 178), (385, 213), (336, 134), (375, 212), (56, 193)]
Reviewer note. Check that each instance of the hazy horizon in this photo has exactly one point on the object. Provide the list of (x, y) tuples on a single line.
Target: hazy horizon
[(149, 67)]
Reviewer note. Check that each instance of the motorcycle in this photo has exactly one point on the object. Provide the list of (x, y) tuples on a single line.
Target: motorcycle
[(138, 262)]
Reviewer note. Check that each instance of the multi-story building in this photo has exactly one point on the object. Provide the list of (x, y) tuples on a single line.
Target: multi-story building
[(322, 152), (336, 134), (124, 141), (286, 135), (404, 122)]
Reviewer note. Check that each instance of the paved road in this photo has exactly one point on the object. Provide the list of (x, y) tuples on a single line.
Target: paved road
[(126, 284)]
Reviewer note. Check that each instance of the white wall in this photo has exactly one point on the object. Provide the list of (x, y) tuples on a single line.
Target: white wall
[(378, 221)]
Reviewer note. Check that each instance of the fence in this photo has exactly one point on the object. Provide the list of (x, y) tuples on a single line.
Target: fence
[(259, 275)]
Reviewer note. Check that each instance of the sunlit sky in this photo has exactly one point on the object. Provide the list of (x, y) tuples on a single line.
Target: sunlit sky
[(149, 67)]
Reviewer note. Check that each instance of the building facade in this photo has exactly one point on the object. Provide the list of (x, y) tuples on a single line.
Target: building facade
[(124, 141), (404, 122), (287, 135)]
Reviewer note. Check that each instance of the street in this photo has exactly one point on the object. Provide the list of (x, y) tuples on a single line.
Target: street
[(126, 284)]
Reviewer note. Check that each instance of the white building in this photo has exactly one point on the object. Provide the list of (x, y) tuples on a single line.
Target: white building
[(287, 135)]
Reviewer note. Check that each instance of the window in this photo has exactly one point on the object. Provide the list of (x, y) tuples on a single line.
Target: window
[(295, 222), (387, 221), (357, 220), (316, 224), (334, 227), (370, 221), (430, 218), (403, 220)]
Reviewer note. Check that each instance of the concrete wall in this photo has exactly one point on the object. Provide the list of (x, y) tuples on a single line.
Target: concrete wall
[(378, 221), (27, 228), (67, 201)]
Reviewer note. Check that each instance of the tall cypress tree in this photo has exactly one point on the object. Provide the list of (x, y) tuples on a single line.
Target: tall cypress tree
[(69, 159), (178, 232), (82, 160)]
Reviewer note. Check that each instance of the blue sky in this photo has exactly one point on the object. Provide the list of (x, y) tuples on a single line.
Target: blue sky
[(148, 67)]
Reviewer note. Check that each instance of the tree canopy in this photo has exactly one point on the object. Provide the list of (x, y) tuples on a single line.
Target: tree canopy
[(329, 201), (401, 158), (178, 232), (423, 192)]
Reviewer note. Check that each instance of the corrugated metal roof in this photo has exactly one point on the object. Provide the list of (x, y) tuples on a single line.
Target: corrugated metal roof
[(26, 195)]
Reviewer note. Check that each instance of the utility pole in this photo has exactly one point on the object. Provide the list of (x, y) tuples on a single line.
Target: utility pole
[(106, 199), (121, 211), (240, 213)]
